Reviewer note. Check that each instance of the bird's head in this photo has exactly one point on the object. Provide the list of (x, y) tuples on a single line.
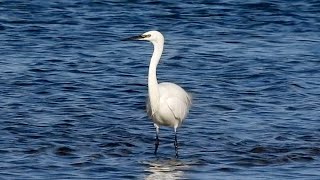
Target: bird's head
[(152, 36)]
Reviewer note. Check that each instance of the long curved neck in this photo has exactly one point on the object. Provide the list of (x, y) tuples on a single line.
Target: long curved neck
[(154, 96)]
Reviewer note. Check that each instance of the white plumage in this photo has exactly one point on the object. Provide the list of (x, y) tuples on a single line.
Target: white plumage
[(167, 104), (173, 106)]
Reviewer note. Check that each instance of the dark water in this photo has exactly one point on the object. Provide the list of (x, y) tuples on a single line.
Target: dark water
[(73, 95)]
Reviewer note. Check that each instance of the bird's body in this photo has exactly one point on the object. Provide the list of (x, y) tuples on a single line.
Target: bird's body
[(173, 105), (168, 104)]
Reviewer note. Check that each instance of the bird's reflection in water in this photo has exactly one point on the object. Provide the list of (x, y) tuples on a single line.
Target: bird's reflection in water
[(166, 169)]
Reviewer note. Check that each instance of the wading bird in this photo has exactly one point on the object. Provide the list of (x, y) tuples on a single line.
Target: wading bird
[(168, 104)]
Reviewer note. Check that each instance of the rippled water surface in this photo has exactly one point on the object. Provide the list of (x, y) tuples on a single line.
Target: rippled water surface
[(73, 95)]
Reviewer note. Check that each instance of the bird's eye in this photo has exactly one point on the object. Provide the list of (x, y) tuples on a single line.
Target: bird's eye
[(147, 35)]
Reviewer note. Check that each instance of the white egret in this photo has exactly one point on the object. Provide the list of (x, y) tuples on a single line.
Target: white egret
[(168, 104)]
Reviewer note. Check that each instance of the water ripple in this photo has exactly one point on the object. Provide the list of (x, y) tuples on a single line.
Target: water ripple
[(73, 94)]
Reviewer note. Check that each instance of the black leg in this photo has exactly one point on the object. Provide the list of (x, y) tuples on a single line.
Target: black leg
[(176, 143), (156, 143)]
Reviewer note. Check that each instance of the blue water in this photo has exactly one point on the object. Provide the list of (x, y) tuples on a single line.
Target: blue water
[(73, 95)]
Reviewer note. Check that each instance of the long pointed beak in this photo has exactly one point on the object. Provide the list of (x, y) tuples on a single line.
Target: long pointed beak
[(133, 38)]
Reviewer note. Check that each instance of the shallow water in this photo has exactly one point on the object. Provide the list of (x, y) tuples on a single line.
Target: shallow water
[(73, 95)]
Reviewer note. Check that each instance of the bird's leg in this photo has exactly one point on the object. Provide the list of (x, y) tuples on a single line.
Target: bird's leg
[(176, 142), (157, 139)]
